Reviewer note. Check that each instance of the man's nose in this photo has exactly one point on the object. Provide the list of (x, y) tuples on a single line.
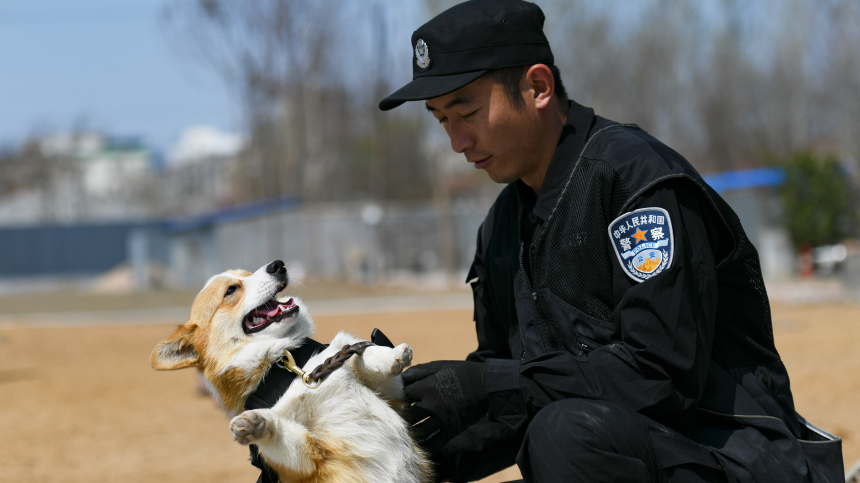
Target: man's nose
[(461, 138)]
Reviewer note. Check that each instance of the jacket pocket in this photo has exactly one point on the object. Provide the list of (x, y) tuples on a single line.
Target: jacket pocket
[(820, 456), (572, 323), (823, 453)]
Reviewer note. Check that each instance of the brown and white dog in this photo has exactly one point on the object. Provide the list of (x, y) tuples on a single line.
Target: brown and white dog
[(346, 430)]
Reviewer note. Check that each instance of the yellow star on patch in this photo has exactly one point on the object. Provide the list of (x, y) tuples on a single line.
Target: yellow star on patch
[(639, 235)]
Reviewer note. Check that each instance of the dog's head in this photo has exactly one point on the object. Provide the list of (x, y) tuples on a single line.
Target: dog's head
[(235, 309)]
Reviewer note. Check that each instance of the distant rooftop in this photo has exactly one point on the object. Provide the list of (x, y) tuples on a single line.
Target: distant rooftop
[(235, 212), (746, 178)]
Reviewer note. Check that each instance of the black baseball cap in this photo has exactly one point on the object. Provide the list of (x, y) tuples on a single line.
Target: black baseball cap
[(467, 40)]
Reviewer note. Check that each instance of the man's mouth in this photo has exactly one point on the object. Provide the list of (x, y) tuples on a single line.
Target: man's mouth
[(268, 314), (480, 163)]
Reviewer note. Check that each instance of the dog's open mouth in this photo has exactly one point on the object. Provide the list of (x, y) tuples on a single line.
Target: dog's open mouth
[(267, 314)]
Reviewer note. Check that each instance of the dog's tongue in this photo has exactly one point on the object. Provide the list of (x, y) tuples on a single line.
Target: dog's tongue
[(268, 313), (274, 308)]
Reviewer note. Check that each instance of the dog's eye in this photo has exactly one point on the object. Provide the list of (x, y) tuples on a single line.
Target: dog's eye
[(231, 289)]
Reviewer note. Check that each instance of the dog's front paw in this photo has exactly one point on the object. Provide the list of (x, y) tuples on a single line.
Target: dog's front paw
[(249, 427), (402, 359)]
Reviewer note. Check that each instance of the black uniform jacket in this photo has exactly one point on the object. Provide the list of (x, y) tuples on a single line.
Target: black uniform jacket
[(558, 316)]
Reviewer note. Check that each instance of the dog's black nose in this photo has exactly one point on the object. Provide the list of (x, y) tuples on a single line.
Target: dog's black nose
[(275, 266)]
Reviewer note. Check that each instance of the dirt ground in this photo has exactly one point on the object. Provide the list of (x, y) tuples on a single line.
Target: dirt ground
[(82, 404)]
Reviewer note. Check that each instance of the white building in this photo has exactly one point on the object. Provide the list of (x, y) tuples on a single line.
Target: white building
[(107, 163)]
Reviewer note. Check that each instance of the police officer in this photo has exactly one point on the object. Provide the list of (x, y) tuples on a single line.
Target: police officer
[(624, 331)]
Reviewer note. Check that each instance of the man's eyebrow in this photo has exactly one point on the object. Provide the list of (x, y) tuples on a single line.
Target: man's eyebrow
[(453, 102)]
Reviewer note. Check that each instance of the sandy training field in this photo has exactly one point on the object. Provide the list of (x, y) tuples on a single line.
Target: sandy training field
[(82, 404)]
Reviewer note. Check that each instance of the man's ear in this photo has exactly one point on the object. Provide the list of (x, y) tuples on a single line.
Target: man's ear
[(541, 85), (176, 351)]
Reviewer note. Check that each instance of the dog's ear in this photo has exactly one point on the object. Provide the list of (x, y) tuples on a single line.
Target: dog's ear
[(176, 351)]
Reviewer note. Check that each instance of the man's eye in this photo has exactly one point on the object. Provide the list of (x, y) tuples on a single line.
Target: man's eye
[(231, 289), (464, 116), (442, 121)]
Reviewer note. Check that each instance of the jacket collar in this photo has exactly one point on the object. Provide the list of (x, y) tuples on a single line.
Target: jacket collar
[(580, 120)]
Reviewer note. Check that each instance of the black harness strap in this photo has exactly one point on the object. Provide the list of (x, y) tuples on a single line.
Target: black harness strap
[(273, 386), (276, 383)]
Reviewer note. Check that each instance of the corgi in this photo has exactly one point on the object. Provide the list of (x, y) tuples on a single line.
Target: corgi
[(347, 429)]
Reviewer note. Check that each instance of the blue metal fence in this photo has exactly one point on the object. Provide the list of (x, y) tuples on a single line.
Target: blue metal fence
[(95, 248), (64, 250)]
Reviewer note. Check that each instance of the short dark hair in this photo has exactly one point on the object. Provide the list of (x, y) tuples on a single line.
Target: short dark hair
[(509, 78)]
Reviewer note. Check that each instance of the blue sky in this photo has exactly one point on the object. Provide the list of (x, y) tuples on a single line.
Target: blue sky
[(108, 64), (105, 63)]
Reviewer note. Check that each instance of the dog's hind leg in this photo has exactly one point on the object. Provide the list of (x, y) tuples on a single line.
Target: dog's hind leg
[(283, 443)]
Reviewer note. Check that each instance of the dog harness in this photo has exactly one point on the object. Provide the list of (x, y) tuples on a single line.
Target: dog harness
[(279, 378)]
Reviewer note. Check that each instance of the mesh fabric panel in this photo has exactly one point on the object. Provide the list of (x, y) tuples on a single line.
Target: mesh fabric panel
[(590, 202), (744, 332)]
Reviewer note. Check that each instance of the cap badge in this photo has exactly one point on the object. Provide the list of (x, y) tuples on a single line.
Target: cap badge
[(422, 54)]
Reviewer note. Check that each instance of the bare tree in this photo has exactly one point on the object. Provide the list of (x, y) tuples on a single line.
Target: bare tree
[(54, 177), (299, 74), (275, 54), (729, 84)]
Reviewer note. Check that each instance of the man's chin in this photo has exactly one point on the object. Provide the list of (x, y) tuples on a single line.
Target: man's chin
[(505, 178)]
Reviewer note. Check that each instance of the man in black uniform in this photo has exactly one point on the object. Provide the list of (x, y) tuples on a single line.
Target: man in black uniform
[(624, 331)]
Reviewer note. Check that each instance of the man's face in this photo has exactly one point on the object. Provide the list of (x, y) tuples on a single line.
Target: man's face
[(483, 125)]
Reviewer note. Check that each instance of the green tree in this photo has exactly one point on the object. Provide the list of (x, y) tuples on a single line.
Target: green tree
[(816, 197)]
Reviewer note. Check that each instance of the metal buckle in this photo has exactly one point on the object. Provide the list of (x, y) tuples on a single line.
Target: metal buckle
[(290, 365)]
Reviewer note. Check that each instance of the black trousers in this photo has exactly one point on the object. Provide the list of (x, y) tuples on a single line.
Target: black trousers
[(579, 440)]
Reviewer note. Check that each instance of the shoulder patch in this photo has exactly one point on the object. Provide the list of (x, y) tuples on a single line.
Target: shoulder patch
[(643, 241)]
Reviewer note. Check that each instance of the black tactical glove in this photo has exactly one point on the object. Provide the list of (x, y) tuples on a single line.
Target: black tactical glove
[(448, 396)]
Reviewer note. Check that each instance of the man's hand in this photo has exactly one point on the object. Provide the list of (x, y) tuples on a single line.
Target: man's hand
[(448, 396)]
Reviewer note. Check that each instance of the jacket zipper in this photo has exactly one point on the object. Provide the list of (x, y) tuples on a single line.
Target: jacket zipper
[(586, 345), (534, 297), (583, 348), (526, 275)]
